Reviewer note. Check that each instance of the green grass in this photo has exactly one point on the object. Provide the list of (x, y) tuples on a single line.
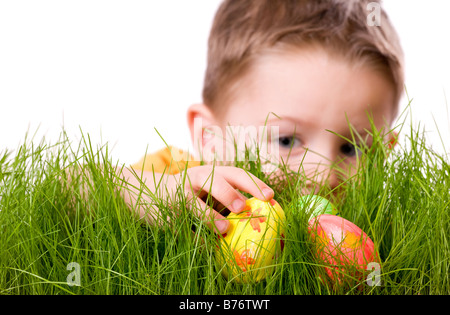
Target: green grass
[(402, 201)]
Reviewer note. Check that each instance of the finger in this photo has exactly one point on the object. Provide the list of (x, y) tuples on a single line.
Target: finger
[(223, 192), (222, 183), (225, 182), (212, 218), (212, 182), (245, 181)]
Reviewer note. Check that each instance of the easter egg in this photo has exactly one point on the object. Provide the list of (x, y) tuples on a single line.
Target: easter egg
[(253, 241), (342, 245), (316, 205)]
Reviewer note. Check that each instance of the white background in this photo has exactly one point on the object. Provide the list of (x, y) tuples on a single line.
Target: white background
[(119, 69)]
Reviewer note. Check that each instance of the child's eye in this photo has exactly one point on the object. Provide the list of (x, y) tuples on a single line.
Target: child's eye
[(289, 142), (350, 150)]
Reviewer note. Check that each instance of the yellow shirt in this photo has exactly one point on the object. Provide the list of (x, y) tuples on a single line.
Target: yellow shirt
[(169, 160)]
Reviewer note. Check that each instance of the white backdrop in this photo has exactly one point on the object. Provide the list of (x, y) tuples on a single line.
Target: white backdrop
[(120, 69)]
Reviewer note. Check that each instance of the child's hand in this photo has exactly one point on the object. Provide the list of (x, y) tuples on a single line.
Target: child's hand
[(221, 182)]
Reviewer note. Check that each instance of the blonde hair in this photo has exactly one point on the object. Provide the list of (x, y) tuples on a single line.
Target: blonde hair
[(244, 29)]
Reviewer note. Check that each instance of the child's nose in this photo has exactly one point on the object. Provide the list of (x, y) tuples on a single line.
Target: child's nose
[(321, 170), (329, 176)]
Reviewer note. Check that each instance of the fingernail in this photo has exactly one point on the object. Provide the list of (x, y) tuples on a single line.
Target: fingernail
[(238, 205), (222, 225), (267, 193)]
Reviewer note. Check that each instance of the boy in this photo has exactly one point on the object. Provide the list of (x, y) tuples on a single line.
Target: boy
[(315, 64)]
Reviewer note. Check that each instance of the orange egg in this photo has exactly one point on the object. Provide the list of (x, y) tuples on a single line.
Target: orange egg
[(249, 249), (342, 246)]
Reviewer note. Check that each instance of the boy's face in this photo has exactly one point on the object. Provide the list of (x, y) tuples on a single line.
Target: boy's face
[(315, 97)]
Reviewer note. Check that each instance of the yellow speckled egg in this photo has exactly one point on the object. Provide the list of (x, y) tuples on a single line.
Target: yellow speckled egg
[(253, 241)]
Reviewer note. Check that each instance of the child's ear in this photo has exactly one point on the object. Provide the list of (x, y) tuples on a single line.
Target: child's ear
[(199, 118)]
